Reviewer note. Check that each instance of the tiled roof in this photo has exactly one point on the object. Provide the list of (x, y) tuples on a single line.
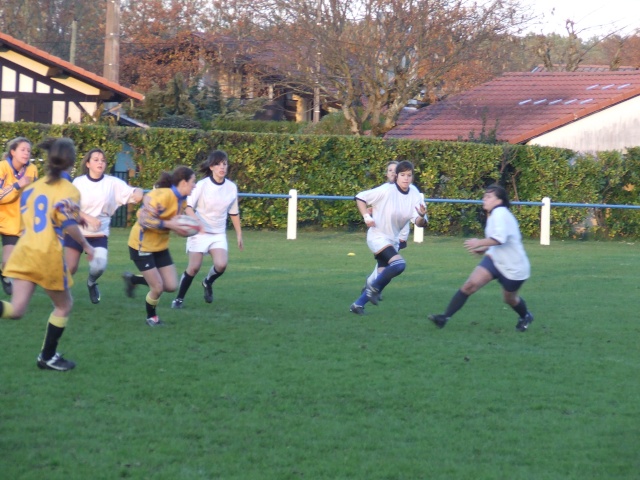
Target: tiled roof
[(73, 70), (519, 106)]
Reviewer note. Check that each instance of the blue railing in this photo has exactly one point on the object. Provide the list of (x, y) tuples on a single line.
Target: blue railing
[(545, 209)]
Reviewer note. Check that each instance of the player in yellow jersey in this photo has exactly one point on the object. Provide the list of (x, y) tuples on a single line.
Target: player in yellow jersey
[(50, 208), (16, 172), (149, 237)]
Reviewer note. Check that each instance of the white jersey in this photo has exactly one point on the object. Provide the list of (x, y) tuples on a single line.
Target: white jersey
[(101, 198), (509, 257), (392, 209), (213, 202)]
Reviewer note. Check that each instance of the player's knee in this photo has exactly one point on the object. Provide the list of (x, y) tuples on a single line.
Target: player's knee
[(192, 271), (220, 268), (469, 287)]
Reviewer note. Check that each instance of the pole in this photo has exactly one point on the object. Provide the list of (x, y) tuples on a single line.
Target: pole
[(111, 67)]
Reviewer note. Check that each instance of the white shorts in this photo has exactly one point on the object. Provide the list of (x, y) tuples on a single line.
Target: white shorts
[(376, 241), (203, 242)]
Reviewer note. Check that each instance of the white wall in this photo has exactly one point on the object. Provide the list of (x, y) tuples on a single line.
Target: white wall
[(615, 128)]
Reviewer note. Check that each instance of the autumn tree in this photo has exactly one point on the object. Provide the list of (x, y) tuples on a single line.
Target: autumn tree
[(47, 25), (373, 56)]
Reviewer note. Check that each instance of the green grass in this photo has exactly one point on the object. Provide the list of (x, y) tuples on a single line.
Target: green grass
[(277, 380)]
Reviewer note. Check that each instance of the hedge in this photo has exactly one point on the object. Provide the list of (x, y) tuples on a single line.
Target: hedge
[(345, 165)]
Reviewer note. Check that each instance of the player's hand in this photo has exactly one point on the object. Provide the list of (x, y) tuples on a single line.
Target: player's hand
[(24, 181), (403, 244), (474, 245), (93, 223)]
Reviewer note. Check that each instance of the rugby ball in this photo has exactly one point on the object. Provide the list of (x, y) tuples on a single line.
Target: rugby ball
[(188, 226)]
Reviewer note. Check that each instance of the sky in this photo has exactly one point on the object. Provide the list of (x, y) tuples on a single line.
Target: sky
[(591, 17)]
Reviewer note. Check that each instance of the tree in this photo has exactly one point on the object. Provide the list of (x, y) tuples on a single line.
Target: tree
[(46, 24), (373, 56)]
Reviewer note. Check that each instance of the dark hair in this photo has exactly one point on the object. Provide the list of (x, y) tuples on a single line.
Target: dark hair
[(168, 179), (216, 157), (499, 192), (404, 166), (13, 144), (61, 156), (85, 159)]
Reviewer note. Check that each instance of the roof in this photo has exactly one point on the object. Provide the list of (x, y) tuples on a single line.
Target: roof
[(519, 106), (62, 67)]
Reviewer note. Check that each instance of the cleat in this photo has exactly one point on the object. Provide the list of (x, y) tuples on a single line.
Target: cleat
[(154, 321), (129, 286), (177, 303), (524, 323), (208, 291), (94, 293), (439, 320), (7, 286), (357, 309), (55, 363), (373, 294)]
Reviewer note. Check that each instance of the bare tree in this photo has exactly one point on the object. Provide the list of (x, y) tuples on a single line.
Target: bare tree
[(373, 56)]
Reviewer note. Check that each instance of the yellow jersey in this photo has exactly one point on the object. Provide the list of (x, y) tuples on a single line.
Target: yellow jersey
[(10, 223), (38, 256), (148, 233)]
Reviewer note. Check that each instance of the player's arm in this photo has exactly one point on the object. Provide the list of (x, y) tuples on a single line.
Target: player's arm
[(73, 230), (136, 196), (364, 211), (235, 221), (67, 215), (8, 193), (422, 220), (92, 222), (479, 245)]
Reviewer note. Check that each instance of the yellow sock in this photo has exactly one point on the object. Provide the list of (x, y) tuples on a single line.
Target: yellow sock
[(152, 301), (59, 322), (6, 309)]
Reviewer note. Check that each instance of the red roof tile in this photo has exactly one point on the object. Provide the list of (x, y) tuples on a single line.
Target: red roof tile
[(75, 71), (519, 106)]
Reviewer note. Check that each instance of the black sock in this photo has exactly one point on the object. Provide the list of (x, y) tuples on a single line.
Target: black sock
[(212, 278), (51, 341), (521, 308), (185, 283), (138, 280), (456, 303), (151, 309)]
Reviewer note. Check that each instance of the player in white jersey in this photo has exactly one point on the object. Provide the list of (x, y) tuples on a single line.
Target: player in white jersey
[(504, 259), (393, 205), (101, 195), (404, 234), (213, 200)]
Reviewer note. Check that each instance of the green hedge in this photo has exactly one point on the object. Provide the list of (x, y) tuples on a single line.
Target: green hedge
[(345, 165)]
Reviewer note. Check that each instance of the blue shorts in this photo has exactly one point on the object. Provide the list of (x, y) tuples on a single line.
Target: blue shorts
[(509, 285), (9, 239), (95, 242)]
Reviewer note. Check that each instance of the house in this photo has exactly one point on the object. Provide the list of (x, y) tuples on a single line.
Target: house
[(38, 87), (248, 69), (584, 111)]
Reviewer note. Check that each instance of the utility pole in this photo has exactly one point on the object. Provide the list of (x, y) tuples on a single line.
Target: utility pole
[(74, 41), (316, 87), (112, 42)]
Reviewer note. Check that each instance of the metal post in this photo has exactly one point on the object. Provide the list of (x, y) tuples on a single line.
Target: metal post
[(545, 222), (292, 217), (418, 232)]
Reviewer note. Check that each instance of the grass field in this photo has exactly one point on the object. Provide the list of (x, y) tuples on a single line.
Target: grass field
[(277, 380)]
